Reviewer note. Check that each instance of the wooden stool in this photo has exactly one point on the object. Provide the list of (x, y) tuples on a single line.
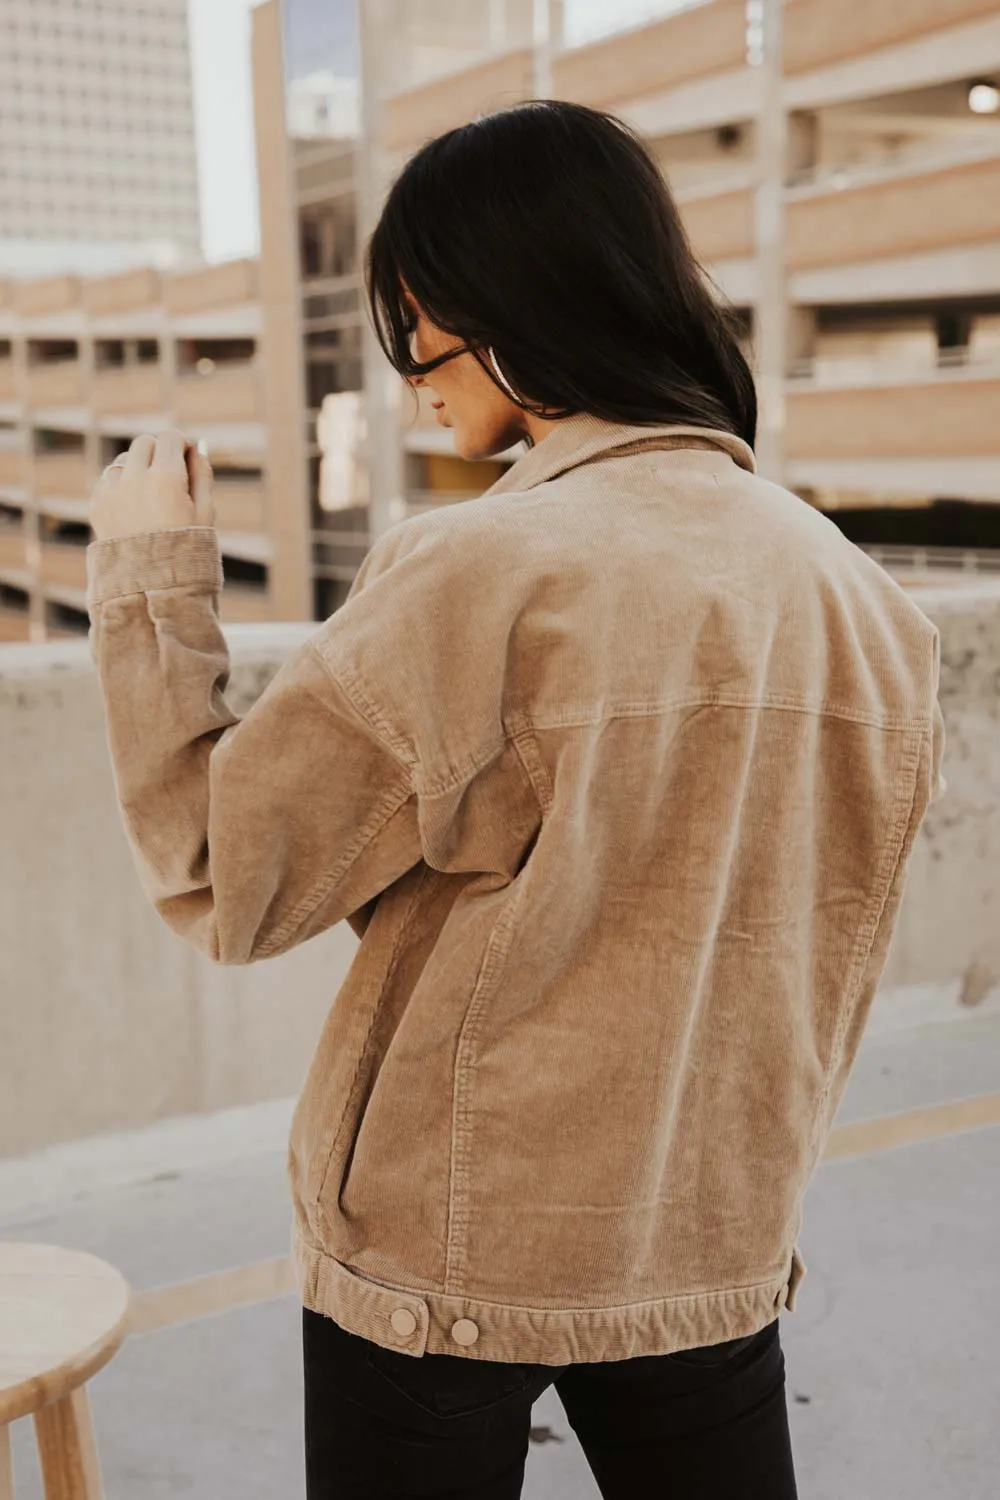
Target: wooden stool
[(63, 1314)]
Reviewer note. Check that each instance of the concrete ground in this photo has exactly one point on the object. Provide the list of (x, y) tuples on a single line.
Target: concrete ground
[(892, 1353)]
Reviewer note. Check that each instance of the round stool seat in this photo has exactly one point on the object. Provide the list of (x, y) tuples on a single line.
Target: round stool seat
[(63, 1314)]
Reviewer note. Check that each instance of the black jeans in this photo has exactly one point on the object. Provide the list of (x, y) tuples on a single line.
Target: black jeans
[(702, 1424)]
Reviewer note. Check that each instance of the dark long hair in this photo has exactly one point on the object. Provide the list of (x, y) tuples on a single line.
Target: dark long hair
[(547, 231)]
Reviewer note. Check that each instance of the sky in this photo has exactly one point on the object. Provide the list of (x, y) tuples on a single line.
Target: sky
[(220, 56), (223, 115)]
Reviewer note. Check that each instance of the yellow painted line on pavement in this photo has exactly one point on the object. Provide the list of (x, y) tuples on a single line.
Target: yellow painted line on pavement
[(864, 1137), (263, 1281), (242, 1286)]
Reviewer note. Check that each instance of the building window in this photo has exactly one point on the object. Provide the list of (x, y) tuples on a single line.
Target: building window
[(51, 351), (55, 440), (109, 354), (202, 356)]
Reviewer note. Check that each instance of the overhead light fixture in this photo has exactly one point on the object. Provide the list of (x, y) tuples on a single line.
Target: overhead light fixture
[(984, 98)]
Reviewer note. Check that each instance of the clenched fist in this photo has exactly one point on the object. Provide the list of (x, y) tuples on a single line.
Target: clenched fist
[(161, 482)]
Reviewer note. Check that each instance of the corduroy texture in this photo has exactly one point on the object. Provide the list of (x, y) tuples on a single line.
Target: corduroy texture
[(615, 771)]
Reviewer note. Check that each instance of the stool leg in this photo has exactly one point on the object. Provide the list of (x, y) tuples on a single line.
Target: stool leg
[(6, 1470), (68, 1450)]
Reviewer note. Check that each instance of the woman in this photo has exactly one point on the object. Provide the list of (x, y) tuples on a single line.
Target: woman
[(616, 772)]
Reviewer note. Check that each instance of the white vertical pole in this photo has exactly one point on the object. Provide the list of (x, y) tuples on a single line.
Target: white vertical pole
[(498, 25), (546, 37), (771, 331), (32, 521), (382, 385)]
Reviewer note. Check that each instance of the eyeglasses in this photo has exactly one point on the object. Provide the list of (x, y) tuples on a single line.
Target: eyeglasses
[(426, 365)]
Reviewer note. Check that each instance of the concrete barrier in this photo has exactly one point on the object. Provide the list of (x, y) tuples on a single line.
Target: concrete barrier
[(949, 924), (107, 1020)]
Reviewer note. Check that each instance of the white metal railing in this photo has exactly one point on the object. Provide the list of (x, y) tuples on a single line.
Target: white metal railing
[(909, 160), (843, 369), (903, 558)]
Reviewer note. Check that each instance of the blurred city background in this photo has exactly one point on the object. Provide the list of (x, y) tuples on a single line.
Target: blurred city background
[(185, 190)]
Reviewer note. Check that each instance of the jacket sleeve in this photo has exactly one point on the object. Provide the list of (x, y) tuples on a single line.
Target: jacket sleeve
[(249, 835)]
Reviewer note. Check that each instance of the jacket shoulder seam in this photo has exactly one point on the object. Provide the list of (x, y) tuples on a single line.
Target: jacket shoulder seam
[(400, 748), (383, 731)]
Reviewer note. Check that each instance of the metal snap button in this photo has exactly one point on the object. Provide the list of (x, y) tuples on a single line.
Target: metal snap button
[(464, 1331), (403, 1320)]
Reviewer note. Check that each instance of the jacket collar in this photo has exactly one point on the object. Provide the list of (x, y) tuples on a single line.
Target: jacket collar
[(583, 438)]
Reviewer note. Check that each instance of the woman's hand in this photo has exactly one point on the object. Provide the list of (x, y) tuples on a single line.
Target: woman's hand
[(162, 482)]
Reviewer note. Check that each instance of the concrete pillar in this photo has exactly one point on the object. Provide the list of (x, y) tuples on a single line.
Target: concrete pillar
[(498, 25), (168, 361), (772, 304), (383, 388), (290, 572), (91, 431), (31, 523), (547, 39)]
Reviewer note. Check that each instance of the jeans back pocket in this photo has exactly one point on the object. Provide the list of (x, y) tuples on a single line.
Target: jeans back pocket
[(708, 1356), (450, 1385)]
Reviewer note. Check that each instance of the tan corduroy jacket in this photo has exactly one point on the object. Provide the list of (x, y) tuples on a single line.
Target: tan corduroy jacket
[(615, 771)]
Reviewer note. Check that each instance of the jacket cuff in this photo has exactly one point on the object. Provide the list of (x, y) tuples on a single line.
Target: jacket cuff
[(178, 557)]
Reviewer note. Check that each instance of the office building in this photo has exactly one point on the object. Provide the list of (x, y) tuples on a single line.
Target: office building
[(844, 195), (85, 365), (98, 170)]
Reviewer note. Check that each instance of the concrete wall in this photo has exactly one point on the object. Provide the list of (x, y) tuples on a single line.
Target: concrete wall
[(108, 1020), (949, 924)]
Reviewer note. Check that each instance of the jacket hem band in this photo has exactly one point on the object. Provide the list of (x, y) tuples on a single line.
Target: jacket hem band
[(448, 1324)]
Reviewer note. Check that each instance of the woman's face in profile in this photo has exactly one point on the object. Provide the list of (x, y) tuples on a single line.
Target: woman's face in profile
[(484, 420)]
